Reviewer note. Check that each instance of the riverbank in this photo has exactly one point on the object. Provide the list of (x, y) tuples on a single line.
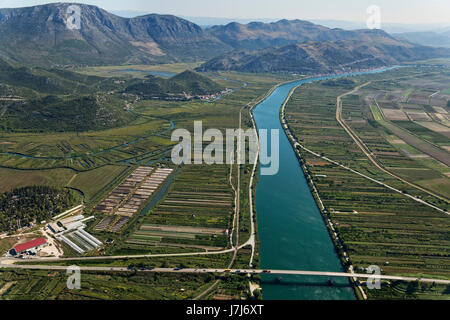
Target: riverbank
[(291, 226), (338, 244)]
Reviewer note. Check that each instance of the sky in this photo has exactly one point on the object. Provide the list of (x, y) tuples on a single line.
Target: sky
[(392, 11)]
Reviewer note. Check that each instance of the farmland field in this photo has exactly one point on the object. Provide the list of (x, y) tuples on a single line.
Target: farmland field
[(200, 197), (377, 226), (11, 178), (190, 211), (424, 133), (52, 286), (102, 176)]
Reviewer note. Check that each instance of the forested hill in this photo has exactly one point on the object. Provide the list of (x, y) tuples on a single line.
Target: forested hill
[(49, 81), (64, 114), (21, 207), (188, 82)]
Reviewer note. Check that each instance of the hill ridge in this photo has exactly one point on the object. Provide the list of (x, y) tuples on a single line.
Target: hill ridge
[(104, 38)]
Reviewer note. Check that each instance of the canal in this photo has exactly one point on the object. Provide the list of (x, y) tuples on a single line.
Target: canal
[(291, 229)]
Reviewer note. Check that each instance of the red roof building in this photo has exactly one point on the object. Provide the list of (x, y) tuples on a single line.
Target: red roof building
[(29, 245)]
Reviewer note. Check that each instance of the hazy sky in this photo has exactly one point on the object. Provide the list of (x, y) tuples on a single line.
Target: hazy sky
[(393, 11)]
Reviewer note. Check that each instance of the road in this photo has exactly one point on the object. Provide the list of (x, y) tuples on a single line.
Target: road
[(11, 99), (8, 263), (235, 271), (252, 240), (298, 146)]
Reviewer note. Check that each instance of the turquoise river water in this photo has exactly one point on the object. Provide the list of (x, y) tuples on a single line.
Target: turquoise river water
[(292, 232)]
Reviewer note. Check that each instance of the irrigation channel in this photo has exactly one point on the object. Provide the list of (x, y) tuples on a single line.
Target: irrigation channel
[(292, 232)]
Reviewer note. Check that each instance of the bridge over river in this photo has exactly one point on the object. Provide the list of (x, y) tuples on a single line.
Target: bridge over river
[(232, 271)]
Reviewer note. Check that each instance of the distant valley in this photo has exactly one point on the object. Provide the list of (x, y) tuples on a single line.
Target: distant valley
[(54, 100), (39, 53)]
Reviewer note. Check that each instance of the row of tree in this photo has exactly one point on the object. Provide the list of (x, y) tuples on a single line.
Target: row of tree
[(23, 206)]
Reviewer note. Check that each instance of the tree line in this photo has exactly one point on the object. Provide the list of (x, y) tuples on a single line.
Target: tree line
[(22, 207)]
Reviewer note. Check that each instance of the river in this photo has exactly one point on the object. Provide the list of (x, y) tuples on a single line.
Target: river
[(292, 232)]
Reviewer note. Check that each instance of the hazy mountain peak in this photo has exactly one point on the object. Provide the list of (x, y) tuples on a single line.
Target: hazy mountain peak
[(40, 35), (44, 38), (259, 35), (333, 56)]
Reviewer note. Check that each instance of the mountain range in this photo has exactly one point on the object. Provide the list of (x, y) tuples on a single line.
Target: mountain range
[(325, 57), (39, 36), (429, 38), (258, 35)]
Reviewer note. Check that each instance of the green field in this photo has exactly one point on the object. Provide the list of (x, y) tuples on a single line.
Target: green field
[(446, 91), (11, 178), (199, 201), (377, 226), (376, 113), (41, 285), (137, 71), (102, 176)]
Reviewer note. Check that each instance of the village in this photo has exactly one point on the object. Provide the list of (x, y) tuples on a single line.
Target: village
[(188, 97)]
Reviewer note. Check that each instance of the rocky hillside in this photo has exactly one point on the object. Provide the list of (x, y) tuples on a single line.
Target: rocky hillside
[(432, 39), (324, 57), (258, 35), (48, 81), (63, 114), (39, 36)]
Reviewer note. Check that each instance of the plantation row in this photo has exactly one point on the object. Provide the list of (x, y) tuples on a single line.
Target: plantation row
[(377, 226), (199, 199)]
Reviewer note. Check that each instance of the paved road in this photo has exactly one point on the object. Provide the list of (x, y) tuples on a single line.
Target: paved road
[(235, 271), (142, 256)]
